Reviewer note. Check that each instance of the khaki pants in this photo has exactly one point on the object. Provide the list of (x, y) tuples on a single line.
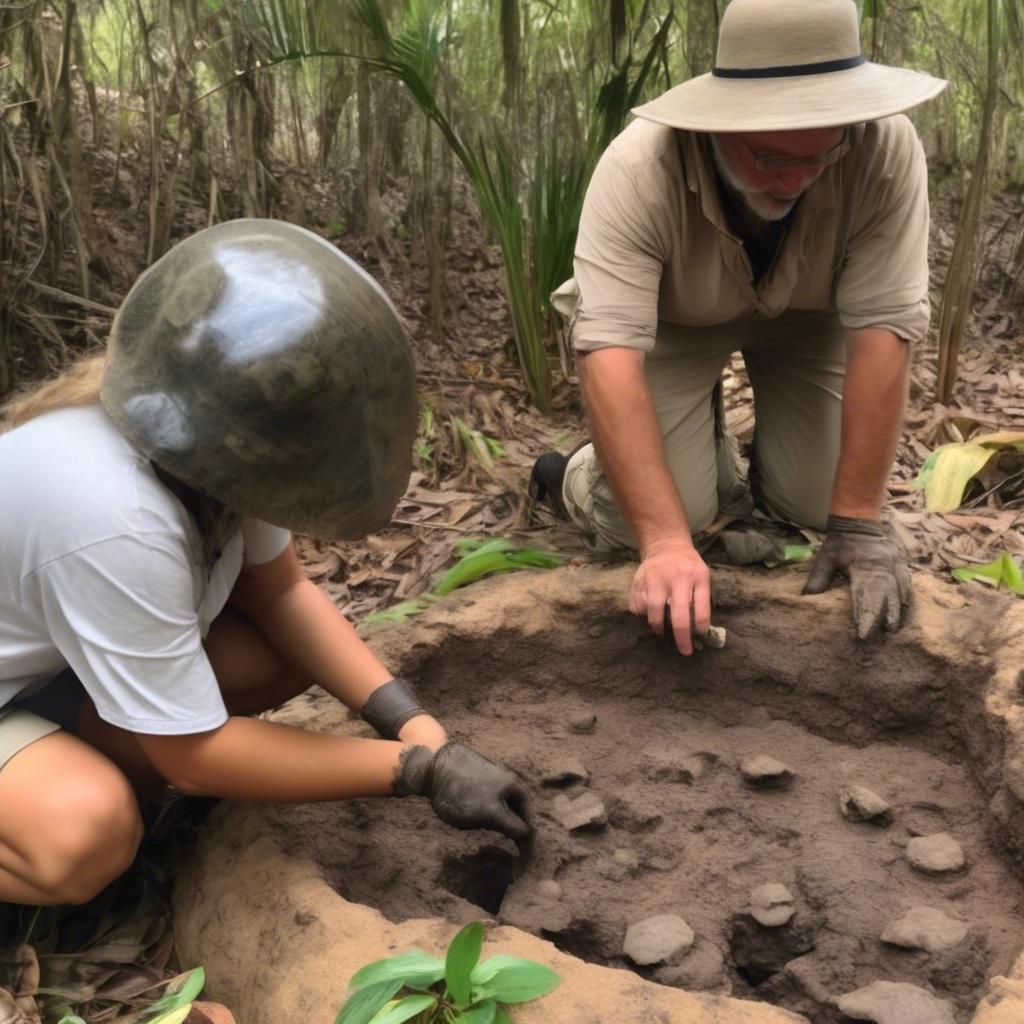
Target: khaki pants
[(796, 364)]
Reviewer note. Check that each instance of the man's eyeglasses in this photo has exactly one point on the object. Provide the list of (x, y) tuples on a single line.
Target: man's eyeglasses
[(772, 164)]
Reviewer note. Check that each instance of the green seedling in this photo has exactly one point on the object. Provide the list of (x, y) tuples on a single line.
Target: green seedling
[(1003, 572), (173, 1007), (456, 990), (477, 559)]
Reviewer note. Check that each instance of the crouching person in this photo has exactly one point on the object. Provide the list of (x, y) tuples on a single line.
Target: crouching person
[(254, 376)]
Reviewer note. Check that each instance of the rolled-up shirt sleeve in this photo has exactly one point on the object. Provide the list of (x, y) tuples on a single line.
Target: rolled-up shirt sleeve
[(884, 279), (619, 263)]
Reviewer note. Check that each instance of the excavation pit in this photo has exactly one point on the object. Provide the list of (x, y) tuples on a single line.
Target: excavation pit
[(873, 788)]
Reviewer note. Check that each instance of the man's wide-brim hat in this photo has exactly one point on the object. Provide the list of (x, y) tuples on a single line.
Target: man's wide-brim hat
[(788, 65)]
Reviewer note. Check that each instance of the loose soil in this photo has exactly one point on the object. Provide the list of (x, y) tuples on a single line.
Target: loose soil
[(684, 834)]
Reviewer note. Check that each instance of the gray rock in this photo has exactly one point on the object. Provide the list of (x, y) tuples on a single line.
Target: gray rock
[(586, 811), (582, 725), (925, 928), (936, 854), (657, 939), (701, 970), (763, 772), (859, 804), (567, 771), (892, 1002), (771, 905), (550, 889)]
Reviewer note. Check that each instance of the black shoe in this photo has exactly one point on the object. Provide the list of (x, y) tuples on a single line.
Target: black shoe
[(546, 482)]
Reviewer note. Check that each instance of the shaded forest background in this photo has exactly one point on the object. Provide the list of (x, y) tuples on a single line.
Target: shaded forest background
[(393, 126)]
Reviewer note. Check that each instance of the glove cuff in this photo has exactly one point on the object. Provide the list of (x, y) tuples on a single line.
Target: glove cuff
[(390, 706), (415, 775), (851, 525)]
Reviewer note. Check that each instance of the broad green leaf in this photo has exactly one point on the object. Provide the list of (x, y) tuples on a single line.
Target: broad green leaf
[(404, 1009), (361, 1006), (481, 1013), (510, 979), (463, 954), (414, 969), (176, 1016), (1003, 572), (71, 1019), (502, 1017)]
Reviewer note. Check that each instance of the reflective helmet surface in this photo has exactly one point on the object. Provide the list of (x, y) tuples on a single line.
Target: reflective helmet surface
[(259, 364)]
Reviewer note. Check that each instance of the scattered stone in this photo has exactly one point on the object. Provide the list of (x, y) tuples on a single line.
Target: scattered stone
[(859, 804), (764, 951), (657, 939), (673, 766), (893, 1002), (925, 928), (550, 889), (634, 817), (585, 811), (622, 864), (583, 725), (763, 772), (701, 970), (565, 773), (935, 855), (536, 907), (715, 638), (771, 905)]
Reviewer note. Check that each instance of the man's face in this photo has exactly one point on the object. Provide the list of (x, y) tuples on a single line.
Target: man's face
[(772, 192)]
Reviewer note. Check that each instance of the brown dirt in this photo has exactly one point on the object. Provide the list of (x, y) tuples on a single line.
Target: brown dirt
[(685, 835)]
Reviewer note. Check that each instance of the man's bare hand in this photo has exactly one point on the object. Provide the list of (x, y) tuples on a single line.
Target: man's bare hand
[(673, 574)]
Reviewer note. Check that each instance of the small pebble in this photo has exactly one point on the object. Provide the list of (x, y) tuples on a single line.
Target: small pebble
[(586, 811), (763, 772), (583, 725), (859, 804), (657, 939), (550, 889), (771, 905), (936, 854), (925, 928), (892, 1002), (568, 771)]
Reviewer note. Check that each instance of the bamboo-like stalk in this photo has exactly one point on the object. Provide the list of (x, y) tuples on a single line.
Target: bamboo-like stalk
[(959, 287)]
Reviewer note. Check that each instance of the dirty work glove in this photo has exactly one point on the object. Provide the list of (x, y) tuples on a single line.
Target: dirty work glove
[(465, 789), (865, 552)]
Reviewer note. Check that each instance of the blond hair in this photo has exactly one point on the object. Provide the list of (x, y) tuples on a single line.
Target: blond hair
[(78, 385)]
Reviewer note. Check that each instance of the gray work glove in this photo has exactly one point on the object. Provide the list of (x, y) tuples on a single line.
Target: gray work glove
[(465, 789), (865, 552)]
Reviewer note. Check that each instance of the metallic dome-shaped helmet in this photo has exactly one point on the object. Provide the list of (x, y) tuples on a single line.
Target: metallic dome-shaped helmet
[(260, 365)]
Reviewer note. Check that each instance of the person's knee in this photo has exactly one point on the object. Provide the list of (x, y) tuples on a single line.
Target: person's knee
[(92, 835)]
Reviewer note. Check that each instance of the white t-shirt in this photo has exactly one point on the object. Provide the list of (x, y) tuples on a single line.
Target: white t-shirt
[(101, 570)]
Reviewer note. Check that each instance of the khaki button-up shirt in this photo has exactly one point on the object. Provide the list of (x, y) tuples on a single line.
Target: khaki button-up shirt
[(654, 247)]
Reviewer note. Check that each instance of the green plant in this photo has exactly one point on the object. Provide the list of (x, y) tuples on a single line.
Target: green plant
[(476, 559), (173, 1007), (459, 988), (1003, 572)]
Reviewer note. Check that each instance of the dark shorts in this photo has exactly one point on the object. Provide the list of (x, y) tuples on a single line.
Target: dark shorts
[(55, 706)]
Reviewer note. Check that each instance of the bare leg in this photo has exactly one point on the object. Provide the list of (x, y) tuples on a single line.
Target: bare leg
[(69, 823)]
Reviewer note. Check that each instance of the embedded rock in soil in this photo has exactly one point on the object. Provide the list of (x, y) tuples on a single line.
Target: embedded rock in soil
[(565, 773), (583, 725), (657, 939), (583, 812), (925, 928), (892, 1002), (936, 855), (859, 804), (771, 905), (763, 772), (321, 889), (701, 970)]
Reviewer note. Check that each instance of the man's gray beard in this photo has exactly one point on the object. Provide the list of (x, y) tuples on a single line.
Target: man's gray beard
[(753, 201)]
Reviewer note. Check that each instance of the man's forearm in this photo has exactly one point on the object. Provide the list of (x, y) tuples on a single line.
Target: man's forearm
[(874, 400), (627, 436)]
